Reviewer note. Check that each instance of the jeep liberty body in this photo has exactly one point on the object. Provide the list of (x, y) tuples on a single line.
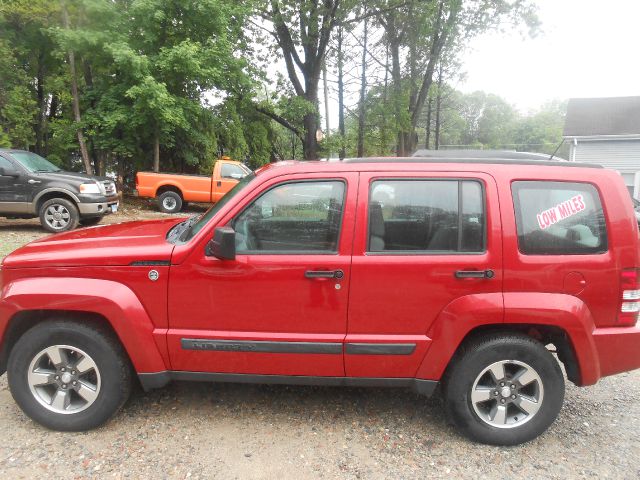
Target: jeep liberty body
[(411, 272)]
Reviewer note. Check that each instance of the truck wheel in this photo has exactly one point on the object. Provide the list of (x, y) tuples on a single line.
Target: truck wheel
[(90, 222), (503, 389), (170, 202), (59, 215), (68, 376)]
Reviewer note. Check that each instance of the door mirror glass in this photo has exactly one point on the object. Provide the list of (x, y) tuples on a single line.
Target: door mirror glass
[(223, 244)]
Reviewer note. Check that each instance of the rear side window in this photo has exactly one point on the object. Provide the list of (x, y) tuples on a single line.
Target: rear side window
[(559, 218), (426, 216), (4, 163)]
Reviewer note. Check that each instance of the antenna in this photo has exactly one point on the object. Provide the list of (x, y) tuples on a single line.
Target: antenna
[(556, 150)]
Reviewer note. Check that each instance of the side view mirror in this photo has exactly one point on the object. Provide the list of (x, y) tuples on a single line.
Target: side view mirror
[(223, 244), (8, 172), (237, 176)]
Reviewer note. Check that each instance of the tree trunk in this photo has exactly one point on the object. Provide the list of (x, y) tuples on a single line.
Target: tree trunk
[(384, 141), (42, 106), (53, 109), (341, 127), (326, 99), (396, 75), (76, 101), (427, 140), (156, 152), (363, 91), (438, 109)]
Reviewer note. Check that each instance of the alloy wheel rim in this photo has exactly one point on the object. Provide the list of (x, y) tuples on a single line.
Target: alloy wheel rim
[(57, 216), (64, 379), (507, 394), (169, 203)]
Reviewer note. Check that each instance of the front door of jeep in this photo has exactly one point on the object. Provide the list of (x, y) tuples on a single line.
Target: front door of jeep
[(279, 308)]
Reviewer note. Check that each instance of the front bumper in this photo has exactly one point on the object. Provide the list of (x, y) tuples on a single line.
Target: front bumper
[(104, 206)]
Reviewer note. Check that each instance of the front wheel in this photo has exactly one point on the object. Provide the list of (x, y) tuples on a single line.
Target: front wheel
[(68, 376), (503, 389), (59, 215)]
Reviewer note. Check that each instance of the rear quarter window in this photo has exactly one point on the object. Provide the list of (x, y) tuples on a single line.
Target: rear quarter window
[(559, 218)]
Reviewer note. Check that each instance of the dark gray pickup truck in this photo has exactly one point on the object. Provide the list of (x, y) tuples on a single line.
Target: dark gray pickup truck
[(31, 186)]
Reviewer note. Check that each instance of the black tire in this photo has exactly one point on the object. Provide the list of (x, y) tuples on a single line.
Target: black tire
[(68, 215), (514, 349), (170, 202), (90, 222), (102, 348)]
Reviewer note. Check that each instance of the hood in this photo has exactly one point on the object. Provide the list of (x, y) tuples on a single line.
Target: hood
[(108, 245), (72, 177)]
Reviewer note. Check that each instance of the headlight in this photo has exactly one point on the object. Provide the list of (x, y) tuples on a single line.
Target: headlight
[(89, 188)]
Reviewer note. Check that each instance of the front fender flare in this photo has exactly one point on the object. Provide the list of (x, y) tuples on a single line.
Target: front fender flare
[(112, 300)]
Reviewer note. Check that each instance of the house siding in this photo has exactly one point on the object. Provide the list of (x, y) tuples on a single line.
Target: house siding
[(620, 155)]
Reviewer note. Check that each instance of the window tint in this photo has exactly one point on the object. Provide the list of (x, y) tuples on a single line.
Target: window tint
[(230, 170), (293, 217), (4, 163), (426, 216), (559, 218)]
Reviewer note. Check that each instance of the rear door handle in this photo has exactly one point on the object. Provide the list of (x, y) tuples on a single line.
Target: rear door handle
[(34, 182), (324, 274), (475, 274)]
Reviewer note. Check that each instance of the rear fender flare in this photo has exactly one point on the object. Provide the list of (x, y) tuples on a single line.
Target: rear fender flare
[(112, 300), (453, 323), (470, 312)]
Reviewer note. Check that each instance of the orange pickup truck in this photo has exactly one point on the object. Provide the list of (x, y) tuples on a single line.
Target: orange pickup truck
[(173, 191)]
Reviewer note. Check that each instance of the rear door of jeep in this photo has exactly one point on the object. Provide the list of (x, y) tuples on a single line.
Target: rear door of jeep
[(423, 240)]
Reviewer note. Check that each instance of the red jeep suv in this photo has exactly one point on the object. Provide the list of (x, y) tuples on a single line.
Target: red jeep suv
[(410, 272)]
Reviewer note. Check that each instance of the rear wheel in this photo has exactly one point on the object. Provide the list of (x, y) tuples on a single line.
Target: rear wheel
[(59, 215), (170, 202), (68, 376), (504, 389)]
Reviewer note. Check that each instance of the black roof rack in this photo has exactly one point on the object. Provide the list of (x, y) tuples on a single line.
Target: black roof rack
[(475, 156), (471, 153)]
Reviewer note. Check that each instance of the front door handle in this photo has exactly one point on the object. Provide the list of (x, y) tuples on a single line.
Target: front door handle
[(33, 182), (324, 274), (475, 274)]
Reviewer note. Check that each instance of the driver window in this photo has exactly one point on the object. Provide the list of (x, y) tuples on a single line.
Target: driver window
[(301, 217), (230, 170)]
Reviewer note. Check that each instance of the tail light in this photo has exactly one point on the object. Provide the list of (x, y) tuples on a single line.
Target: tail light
[(630, 296)]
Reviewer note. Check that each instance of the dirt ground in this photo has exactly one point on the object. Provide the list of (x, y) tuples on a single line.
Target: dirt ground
[(231, 431)]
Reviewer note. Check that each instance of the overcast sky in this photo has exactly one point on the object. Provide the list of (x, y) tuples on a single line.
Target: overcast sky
[(588, 48)]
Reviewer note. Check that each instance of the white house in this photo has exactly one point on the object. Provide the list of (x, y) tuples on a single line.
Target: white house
[(606, 131)]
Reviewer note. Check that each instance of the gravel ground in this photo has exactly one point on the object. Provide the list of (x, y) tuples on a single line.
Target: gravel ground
[(245, 431)]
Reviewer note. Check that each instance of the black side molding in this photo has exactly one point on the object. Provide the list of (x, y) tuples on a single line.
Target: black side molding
[(150, 381), (380, 348), (261, 346)]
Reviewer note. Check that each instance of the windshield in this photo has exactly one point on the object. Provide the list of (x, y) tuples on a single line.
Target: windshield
[(209, 214), (34, 163)]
